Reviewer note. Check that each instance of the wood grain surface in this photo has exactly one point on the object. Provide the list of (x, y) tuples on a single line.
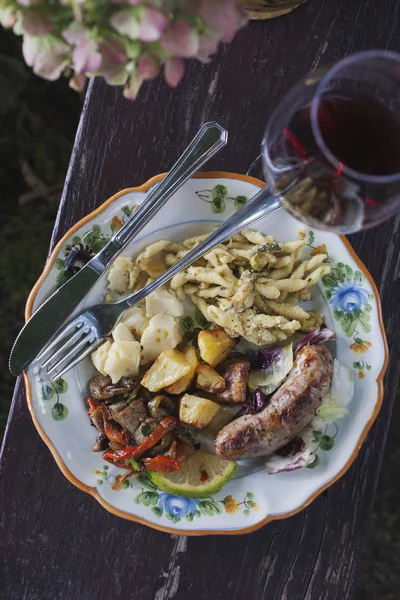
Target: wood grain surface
[(57, 542)]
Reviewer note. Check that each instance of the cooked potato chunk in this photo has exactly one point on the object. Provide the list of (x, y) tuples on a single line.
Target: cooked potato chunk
[(163, 333), (99, 356), (170, 366), (182, 384), (197, 411), (123, 360), (214, 345), (136, 321), (209, 379), (122, 334), (235, 371)]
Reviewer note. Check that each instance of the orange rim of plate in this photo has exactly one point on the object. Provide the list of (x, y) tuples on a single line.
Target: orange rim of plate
[(92, 491)]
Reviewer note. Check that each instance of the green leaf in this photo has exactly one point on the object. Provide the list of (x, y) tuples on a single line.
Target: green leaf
[(358, 340), (249, 495), (105, 468), (349, 271), (370, 296), (189, 517), (154, 499), (113, 228), (96, 231), (219, 191), (249, 503), (311, 237), (200, 319), (317, 436), (187, 324), (126, 210), (99, 244), (218, 205), (328, 294), (59, 412), (356, 365), (246, 512), (60, 386), (240, 201), (76, 240), (59, 263), (104, 475), (169, 516), (100, 482), (315, 463), (145, 429), (368, 367), (327, 443), (358, 275), (197, 513), (368, 308), (340, 265), (126, 485), (47, 392), (157, 511)]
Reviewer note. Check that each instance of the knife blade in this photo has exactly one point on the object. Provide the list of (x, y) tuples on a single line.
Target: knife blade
[(51, 315)]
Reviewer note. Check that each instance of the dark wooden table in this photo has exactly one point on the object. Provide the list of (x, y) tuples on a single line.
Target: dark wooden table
[(57, 542)]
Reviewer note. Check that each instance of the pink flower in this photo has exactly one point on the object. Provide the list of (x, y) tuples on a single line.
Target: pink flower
[(224, 16), (180, 40), (132, 87), (113, 51), (114, 59), (146, 24), (35, 24), (8, 17), (86, 57), (208, 46), (173, 71), (27, 2), (152, 25), (77, 82), (46, 54), (148, 67)]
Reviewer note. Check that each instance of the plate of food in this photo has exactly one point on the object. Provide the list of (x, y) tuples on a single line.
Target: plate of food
[(230, 397)]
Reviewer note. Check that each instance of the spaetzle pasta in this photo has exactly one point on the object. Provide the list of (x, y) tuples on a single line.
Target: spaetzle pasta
[(250, 285)]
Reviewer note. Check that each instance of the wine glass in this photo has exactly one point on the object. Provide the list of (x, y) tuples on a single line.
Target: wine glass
[(331, 148)]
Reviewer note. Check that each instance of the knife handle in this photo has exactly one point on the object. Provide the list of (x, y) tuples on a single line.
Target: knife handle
[(208, 141)]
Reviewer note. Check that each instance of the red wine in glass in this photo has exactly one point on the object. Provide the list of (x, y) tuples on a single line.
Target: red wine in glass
[(339, 149)]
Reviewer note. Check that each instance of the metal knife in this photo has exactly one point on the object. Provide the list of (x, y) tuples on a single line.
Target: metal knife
[(51, 315)]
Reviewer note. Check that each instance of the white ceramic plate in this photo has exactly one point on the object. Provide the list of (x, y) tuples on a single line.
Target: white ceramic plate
[(349, 300)]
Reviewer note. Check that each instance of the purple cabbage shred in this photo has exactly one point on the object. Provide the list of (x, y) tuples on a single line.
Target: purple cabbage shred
[(318, 336), (262, 359), (254, 405)]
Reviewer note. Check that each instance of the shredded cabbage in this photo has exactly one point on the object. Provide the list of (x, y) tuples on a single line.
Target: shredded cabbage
[(267, 379)]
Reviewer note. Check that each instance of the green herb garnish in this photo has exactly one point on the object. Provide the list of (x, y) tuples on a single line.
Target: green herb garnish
[(145, 429), (135, 464)]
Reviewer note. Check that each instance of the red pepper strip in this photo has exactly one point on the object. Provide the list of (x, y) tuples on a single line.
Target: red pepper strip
[(92, 405), (113, 432), (132, 451), (122, 464), (161, 463)]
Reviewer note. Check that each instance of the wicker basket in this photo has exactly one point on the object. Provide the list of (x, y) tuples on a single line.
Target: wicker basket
[(269, 9)]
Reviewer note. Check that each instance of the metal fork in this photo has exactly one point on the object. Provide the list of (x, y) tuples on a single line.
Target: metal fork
[(86, 331)]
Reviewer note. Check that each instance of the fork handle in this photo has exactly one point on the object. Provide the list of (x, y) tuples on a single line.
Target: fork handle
[(262, 204), (209, 140)]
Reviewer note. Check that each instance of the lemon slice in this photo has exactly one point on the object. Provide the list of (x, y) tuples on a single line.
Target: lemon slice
[(202, 475)]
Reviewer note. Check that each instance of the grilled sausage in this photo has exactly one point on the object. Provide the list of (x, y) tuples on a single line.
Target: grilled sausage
[(290, 409)]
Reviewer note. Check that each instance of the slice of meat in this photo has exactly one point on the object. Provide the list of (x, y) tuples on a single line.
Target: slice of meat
[(102, 388), (101, 443), (116, 407), (235, 370), (132, 416), (290, 409)]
